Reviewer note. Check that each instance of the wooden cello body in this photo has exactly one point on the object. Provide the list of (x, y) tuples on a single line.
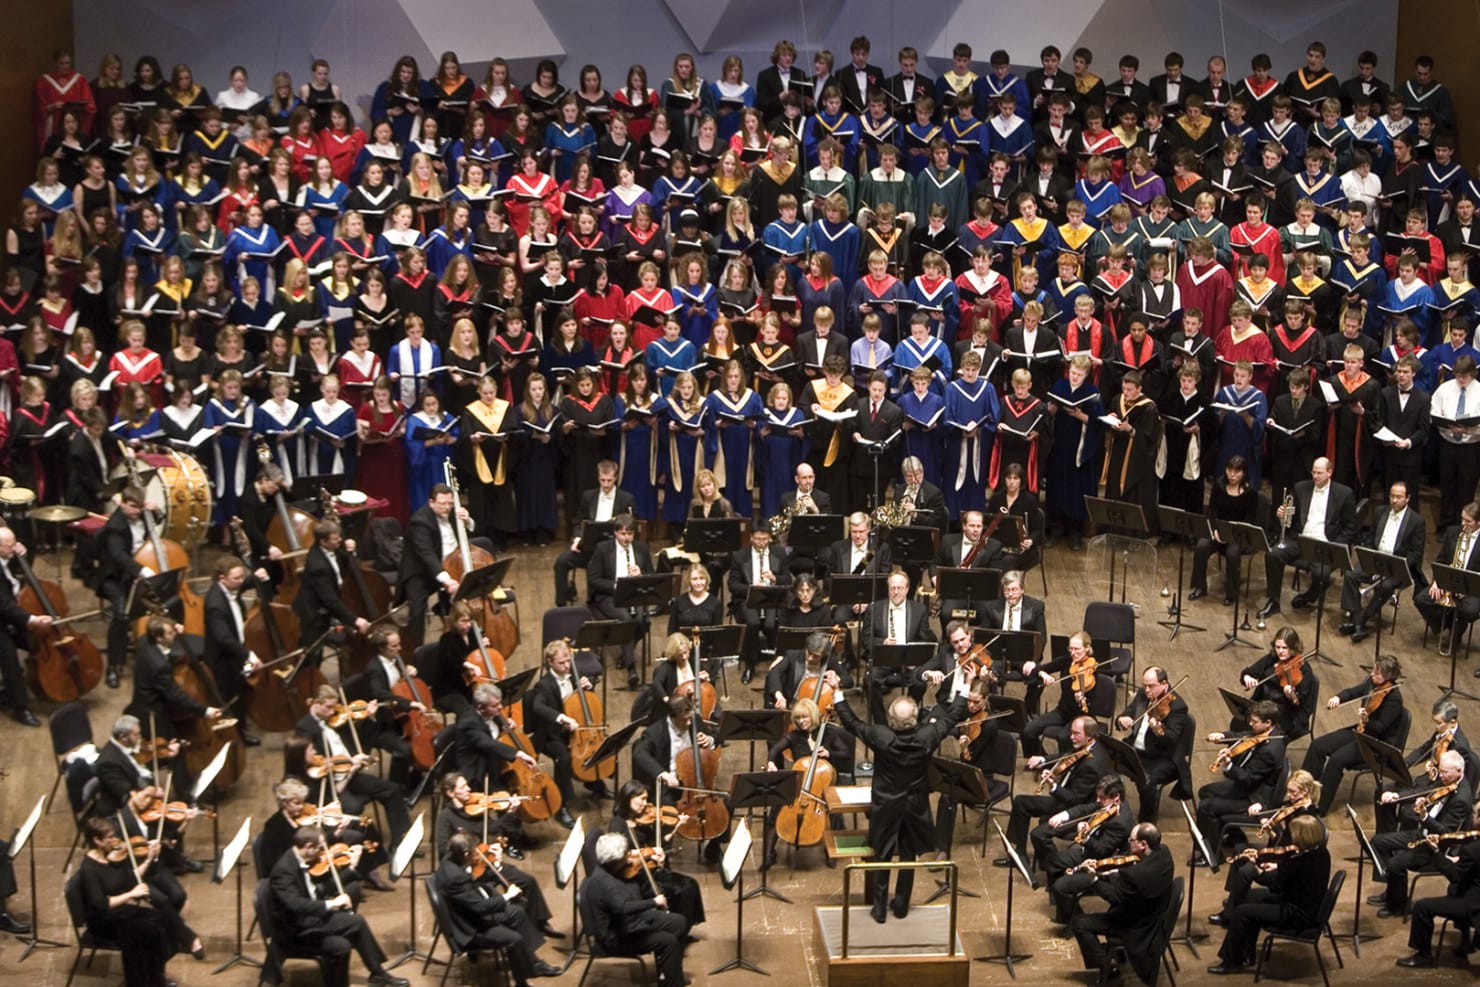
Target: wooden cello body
[(542, 795), (498, 624), (698, 768), (206, 738), (804, 821), (63, 664), (419, 730), (584, 706)]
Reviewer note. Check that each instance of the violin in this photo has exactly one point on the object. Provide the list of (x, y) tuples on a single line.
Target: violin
[(150, 750), (1284, 812), (1238, 748), (1159, 711), (319, 766), (1290, 673), (329, 814), (1372, 705), (63, 664), (977, 658), (650, 816), (358, 709), (1465, 834), (1255, 854), (1095, 821), (1104, 864), (480, 802), (338, 855), (172, 811), (1057, 768), (137, 846), (1081, 677), (483, 859), (1422, 802), (1440, 748), (971, 729), (638, 860)]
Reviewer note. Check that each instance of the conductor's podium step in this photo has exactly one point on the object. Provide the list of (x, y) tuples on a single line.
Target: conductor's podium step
[(911, 950)]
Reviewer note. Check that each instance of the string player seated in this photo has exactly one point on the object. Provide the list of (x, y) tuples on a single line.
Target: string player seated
[(634, 817), (1069, 780), (550, 727), (975, 735), (1098, 829), (792, 670), (1283, 677), (1441, 806), (1302, 792), (1293, 886), (483, 748), (1461, 866), (276, 838), (657, 752), (489, 919), (624, 919), (1378, 716), (1251, 765), (1155, 721), (352, 784), (1073, 702), (797, 746)]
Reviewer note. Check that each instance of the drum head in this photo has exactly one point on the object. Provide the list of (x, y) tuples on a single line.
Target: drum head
[(17, 497)]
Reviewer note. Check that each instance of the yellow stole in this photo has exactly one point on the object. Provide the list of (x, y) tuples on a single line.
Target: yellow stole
[(830, 397), (492, 420)]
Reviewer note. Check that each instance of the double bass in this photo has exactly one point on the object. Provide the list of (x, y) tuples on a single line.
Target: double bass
[(163, 555), (290, 531), (367, 593), (497, 623), (205, 738), (63, 664)]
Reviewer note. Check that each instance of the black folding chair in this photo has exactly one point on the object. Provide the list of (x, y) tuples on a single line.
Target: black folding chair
[(1310, 936)]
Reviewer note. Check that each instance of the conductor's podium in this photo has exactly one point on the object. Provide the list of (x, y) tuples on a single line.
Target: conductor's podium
[(923, 949)]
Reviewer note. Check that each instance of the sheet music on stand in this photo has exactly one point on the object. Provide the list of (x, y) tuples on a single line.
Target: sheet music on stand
[(406, 850), (232, 851), (208, 775), (735, 854), (570, 854), (23, 835)]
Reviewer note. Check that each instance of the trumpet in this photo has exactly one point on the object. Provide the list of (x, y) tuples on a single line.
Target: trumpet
[(1287, 507)]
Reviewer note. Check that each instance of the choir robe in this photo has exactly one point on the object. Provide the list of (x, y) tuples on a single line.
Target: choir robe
[(528, 191), (972, 413), (641, 454), (145, 429), (323, 205), (1302, 347), (488, 465), (909, 354), (924, 431), (875, 294), (426, 463), (938, 300), (983, 298), (35, 463), (232, 456), (768, 182), (830, 444), (842, 127), (329, 423), (1366, 284), (1235, 437), (1098, 198), (730, 443), (843, 243), (1030, 416), (1043, 245), (144, 367), (525, 354), (1073, 460), (1130, 461), (1413, 300), (1265, 298), (1254, 347), (1179, 413), (784, 240), (685, 458), (1114, 295), (1336, 344), (949, 188), (357, 374), (777, 360), (149, 250), (1318, 297), (1093, 340), (412, 370), (666, 360), (621, 200), (1208, 288), (1149, 358), (1160, 302), (1349, 442), (1262, 240), (696, 325), (1063, 293)]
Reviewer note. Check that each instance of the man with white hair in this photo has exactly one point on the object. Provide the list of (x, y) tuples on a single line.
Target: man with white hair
[(623, 920), (1445, 809)]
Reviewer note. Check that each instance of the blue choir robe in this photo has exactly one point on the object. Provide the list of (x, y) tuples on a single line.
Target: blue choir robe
[(1098, 198), (339, 313), (666, 360), (417, 367), (842, 242), (391, 244), (1442, 359), (696, 324), (1012, 136), (924, 432), (149, 250), (777, 454), (1041, 232), (326, 206), (442, 245), (785, 241), (641, 458), (282, 425), (671, 196), (1063, 293), (1235, 438), (909, 354), (994, 87), (249, 253), (1290, 136), (941, 303), (917, 138), (876, 294), (570, 141), (145, 429), (52, 202), (206, 195), (1455, 303), (842, 127), (331, 424), (1437, 179), (971, 418), (232, 456), (1325, 191), (1073, 459), (1368, 284), (811, 296), (1411, 300), (425, 462), (685, 459), (730, 444)]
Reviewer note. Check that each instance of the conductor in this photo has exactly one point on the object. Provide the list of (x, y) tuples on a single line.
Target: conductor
[(900, 821)]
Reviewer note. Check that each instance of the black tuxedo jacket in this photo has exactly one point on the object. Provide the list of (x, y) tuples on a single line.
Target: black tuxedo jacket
[(1409, 423), (953, 549), (157, 692), (894, 86), (930, 505), (622, 503), (1255, 773), (477, 754), (1341, 511), (855, 98), (118, 774), (1138, 897), (119, 566), (1450, 544), (820, 497), (546, 707), (299, 911), (601, 572), (320, 591), (223, 644), (652, 752), (835, 559), (85, 475), (871, 429), (806, 347), (768, 89), (422, 558), (742, 577), (916, 624), (1412, 536), (1079, 784), (1032, 618), (470, 911), (1163, 745), (786, 675)]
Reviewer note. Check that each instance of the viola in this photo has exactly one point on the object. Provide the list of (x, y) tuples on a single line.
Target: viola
[(1372, 705), (63, 664), (638, 860), (172, 812), (1105, 863), (1097, 819), (480, 802), (1440, 748), (1159, 711), (152, 749), (971, 729), (1059, 767), (1082, 677), (329, 814), (486, 857), (356, 709), (138, 846), (1238, 748), (1254, 854), (1279, 816), (980, 659), (338, 855)]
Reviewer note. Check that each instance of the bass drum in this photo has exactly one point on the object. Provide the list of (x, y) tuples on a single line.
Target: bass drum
[(182, 488)]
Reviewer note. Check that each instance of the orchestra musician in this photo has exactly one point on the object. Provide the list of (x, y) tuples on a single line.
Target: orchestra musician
[(91, 456), (923, 501), (968, 547), (1459, 904), (451, 691), (549, 726), (632, 806), (806, 607), (1138, 895), (1070, 780), (1294, 886), (353, 786), (158, 700), (900, 822), (807, 498), (1013, 497), (1461, 549), (320, 600), (1302, 792), (1447, 735), (1332, 755), (1445, 809), (975, 751), (277, 837), (324, 922), (674, 668), (15, 624), (162, 862), (1396, 530), (378, 682), (486, 919), (226, 653), (122, 536), (118, 771), (1017, 611), (1072, 704), (797, 745), (257, 506), (481, 751), (1248, 777), (892, 621), (611, 560), (655, 757), (1267, 678), (430, 537), (1324, 510), (1098, 829), (455, 816), (859, 555), (785, 676), (939, 672), (1155, 725), (605, 503), (696, 608), (623, 919), (762, 564)]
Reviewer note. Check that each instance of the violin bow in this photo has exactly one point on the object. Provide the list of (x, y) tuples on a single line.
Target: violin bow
[(1149, 705), (154, 746), (353, 730), (129, 845), (329, 857), (637, 846)]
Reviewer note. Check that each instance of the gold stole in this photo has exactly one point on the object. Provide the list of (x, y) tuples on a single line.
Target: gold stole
[(674, 463), (1125, 462), (492, 419), (830, 397)]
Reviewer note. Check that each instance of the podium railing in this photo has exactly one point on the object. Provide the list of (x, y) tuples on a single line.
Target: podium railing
[(953, 873)]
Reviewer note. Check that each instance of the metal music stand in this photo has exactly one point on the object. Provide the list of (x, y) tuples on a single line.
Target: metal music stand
[(751, 725), (816, 531), (964, 782), (593, 636), (1251, 540), (970, 585), (484, 580), (648, 593), (876, 448), (912, 543), (709, 537), (1189, 938), (1012, 648), (1460, 582), (612, 747), (762, 598), (716, 644), (1007, 957), (593, 533), (1238, 706), (512, 689), (1190, 527), (1012, 709), (1383, 566), (1364, 853), (789, 639), (1131, 522), (1338, 557), (1125, 759), (761, 790)]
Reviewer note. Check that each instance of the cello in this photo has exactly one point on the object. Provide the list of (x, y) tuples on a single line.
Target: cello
[(498, 624), (290, 531), (804, 821), (418, 729), (708, 815), (278, 693), (540, 795), (163, 555), (63, 665), (584, 706)]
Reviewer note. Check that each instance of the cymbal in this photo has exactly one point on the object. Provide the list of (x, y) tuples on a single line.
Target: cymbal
[(57, 514)]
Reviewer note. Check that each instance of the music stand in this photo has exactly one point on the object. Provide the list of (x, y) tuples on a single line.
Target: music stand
[(1459, 582), (226, 862), (969, 585), (876, 448), (402, 857), (900, 656), (1188, 527), (308, 490), (593, 533), (1364, 853), (1189, 938), (1013, 710), (1125, 759), (964, 782), (479, 582), (789, 639), (751, 725), (761, 598), (597, 635), (815, 531), (159, 590), (1388, 567), (709, 537), (611, 746), (718, 643), (1336, 556), (732, 870), (1007, 957), (1251, 540), (1238, 706), (21, 841), (566, 864), (1107, 514), (762, 790), (1013, 648), (912, 543), (641, 592)]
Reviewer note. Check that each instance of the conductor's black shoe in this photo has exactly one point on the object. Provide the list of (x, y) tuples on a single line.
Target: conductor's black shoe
[(900, 906), (543, 969), (880, 911), (1417, 959), (387, 979), (1269, 609), (112, 677), (1346, 627), (564, 818), (746, 674), (1378, 899), (13, 925), (25, 716), (1196, 594)]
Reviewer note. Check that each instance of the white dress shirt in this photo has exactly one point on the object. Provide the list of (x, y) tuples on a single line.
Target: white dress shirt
[(1389, 541), (1315, 518)]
